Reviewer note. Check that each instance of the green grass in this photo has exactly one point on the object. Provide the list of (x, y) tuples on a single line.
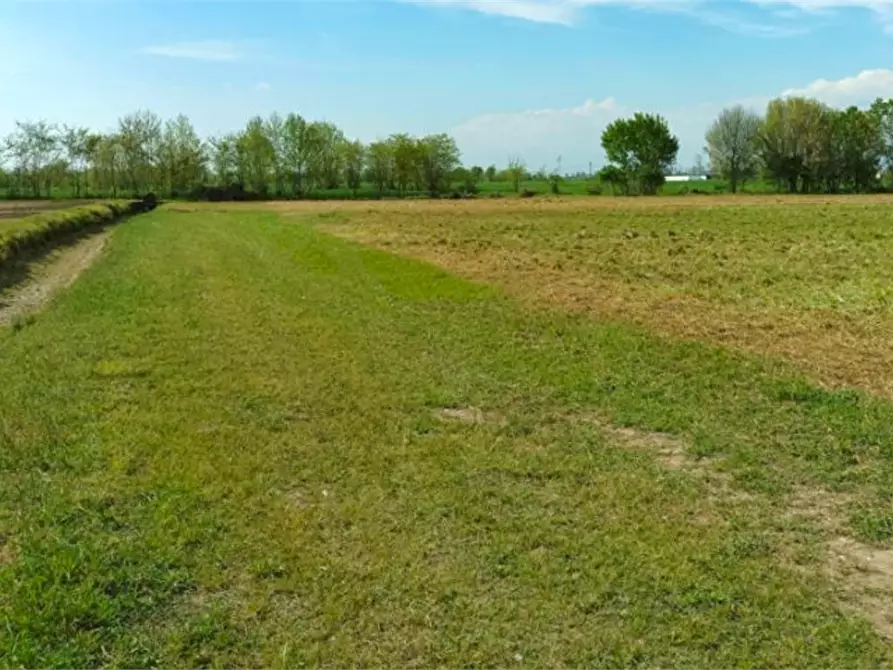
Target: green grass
[(222, 447)]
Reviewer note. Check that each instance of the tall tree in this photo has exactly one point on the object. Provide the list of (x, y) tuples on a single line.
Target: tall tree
[(326, 141), (182, 158), (256, 152), (74, 141), (856, 135), (515, 172), (405, 150), (381, 165), (139, 135), (794, 142), (298, 151), (439, 156), (732, 145), (279, 139), (352, 157), (225, 160), (643, 148)]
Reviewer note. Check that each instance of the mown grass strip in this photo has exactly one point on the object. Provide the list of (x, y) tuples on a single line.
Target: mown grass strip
[(238, 441)]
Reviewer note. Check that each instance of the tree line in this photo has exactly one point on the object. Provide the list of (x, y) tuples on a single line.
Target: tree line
[(800, 144), (278, 156)]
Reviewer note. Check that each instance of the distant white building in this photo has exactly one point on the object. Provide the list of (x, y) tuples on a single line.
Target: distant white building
[(687, 177)]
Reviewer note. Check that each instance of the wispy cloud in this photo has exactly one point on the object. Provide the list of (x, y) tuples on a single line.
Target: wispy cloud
[(563, 12), (783, 17), (209, 50), (263, 86)]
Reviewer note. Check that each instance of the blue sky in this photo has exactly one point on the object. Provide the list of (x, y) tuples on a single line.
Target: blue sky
[(531, 78)]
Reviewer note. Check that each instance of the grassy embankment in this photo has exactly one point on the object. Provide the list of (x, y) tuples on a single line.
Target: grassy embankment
[(21, 234)]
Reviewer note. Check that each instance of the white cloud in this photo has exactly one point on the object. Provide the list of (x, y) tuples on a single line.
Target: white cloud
[(263, 86), (860, 89), (208, 50), (540, 136)]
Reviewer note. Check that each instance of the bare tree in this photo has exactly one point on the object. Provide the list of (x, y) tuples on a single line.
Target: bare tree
[(732, 144)]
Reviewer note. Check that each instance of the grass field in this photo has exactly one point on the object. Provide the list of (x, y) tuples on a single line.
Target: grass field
[(240, 440)]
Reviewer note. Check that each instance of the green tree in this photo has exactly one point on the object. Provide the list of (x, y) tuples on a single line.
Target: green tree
[(491, 173), (74, 142), (381, 165), (859, 148), (110, 163), (257, 155), (643, 148), (353, 155), (182, 158), (515, 172), (225, 160), (139, 136), (405, 150), (324, 152), (297, 152), (34, 149), (275, 129), (796, 143), (615, 178), (438, 157)]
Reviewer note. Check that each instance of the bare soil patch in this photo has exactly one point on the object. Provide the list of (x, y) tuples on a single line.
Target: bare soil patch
[(668, 449), (45, 278), (7, 553), (468, 415)]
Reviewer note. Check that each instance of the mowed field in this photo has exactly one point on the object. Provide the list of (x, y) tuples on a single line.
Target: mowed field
[(516, 433)]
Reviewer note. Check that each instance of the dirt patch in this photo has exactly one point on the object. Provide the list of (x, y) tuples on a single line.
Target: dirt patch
[(7, 553), (297, 499), (866, 575), (467, 415), (16, 209), (668, 450), (54, 273), (862, 574), (824, 509)]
